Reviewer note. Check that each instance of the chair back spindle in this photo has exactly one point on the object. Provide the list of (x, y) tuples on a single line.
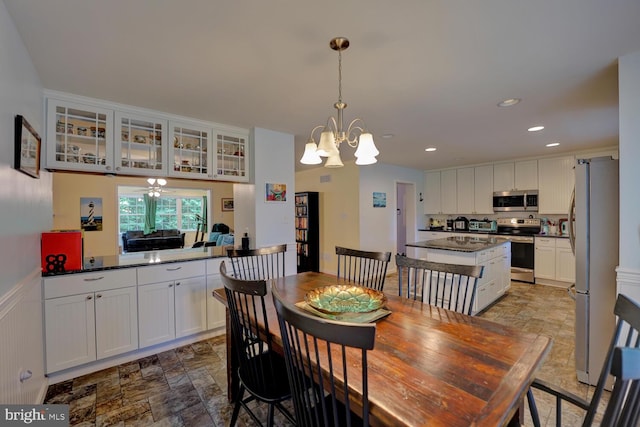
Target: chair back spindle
[(364, 268), (258, 264)]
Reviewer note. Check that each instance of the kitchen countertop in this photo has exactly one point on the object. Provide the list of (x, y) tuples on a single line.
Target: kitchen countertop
[(139, 259), (460, 244), (558, 236)]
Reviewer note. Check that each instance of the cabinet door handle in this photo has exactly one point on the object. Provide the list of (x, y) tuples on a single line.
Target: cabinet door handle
[(89, 297), (171, 286), (177, 283), (93, 279), (174, 269), (98, 296)]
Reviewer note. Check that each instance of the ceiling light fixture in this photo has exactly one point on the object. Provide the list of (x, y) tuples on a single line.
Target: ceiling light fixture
[(552, 144), (155, 186), (535, 128), (333, 133), (430, 149), (509, 102)]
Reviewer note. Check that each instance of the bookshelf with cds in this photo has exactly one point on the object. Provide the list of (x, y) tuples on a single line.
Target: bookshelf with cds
[(307, 224)]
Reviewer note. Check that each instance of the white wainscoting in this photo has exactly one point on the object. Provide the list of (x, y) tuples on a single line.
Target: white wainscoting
[(22, 347), (628, 282)]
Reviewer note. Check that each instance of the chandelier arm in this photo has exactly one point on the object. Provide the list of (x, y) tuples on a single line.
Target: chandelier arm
[(352, 129), (313, 130)]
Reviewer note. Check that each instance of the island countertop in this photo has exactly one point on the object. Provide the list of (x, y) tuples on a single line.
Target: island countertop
[(138, 259), (460, 243)]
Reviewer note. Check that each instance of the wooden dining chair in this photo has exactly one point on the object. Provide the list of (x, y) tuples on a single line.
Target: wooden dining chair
[(313, 344), (363, 267), (254, 264), (449, 286), (622, 361), (261, 373)]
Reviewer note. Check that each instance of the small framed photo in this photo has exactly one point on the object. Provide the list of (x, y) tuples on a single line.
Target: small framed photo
[(379, 200), (276, 193), (27, 148), (227, 205)]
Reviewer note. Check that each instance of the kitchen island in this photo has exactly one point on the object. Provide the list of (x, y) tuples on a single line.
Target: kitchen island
[(120, 308), (493, 253)]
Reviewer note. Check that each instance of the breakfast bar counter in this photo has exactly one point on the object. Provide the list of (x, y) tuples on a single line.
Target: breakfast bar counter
[(460, 243)]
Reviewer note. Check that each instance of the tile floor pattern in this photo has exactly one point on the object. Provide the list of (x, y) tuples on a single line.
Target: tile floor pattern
[(187, 386)]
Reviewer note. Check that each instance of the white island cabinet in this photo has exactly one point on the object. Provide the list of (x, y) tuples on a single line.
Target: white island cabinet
[(494, 254)]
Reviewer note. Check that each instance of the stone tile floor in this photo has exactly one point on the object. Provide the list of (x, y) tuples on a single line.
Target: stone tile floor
[(187, 386)]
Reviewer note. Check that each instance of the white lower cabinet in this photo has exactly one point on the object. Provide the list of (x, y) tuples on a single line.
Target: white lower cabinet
[(191, 306), (554, 261), (156, 313), (89, 326)]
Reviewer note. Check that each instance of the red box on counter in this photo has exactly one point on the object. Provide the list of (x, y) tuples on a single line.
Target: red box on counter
[(61, 250)]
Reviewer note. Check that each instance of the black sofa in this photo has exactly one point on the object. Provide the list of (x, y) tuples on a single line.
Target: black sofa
[(137, 241)]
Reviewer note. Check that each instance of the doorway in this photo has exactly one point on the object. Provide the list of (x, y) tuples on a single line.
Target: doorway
[(405, 215)]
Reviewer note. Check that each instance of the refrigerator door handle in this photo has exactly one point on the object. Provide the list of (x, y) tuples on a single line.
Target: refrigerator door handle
[(571, 290), (572, 234)]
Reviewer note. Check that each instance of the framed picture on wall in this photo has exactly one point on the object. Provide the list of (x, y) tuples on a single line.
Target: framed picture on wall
[(379, 200), (27, 148), (276, 193), (227, 205)]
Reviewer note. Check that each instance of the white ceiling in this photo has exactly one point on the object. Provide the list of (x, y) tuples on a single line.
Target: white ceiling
[(429, 72)]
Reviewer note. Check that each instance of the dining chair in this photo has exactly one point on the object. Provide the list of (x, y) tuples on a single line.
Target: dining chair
[(261, 372), (363, 267), (313, 344), (258, 264), (623, 408), (450, 286)]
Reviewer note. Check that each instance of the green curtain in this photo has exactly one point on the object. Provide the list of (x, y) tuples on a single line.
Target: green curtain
[(150, 205)]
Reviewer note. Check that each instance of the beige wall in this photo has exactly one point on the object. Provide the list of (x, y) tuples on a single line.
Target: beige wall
[(339, 209), (68, 188)]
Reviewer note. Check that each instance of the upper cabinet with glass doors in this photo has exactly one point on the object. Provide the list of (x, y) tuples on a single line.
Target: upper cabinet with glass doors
[(141, 143), (190, 149), (79, 137), (231, 156)]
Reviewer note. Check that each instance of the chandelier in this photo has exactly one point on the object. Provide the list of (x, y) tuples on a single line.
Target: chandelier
[(156, 186), (333, 133)]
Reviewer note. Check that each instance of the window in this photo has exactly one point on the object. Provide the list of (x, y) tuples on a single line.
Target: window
[(173, 210)]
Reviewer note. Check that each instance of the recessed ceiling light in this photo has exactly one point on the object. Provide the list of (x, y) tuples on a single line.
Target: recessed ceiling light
[(509, 102), (430, 149), (552, 144), (535, 128), (388, 135)]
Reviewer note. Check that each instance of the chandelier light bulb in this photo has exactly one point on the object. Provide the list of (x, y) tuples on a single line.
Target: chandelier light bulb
[(311, 156)]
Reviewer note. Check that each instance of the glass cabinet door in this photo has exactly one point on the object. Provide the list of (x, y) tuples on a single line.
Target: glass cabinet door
[(83, 137), (140, 145), (189, 151), (231, 155)]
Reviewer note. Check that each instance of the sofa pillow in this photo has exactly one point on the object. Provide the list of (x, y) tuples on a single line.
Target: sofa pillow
[(135, 234), (172, 232), (213, 236), (225, 239)]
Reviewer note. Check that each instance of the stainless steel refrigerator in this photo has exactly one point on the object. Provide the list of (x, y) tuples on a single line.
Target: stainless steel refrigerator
[(594, 238)]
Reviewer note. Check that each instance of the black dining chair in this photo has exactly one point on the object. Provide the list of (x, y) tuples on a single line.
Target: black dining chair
[(261, 373), (262, 263), (622, 361), (449, 286), (364, 268), (312, 344)]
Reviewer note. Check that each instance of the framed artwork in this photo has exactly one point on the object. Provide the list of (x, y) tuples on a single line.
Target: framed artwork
[(276, 193), (227, 205), (27, 148), (379, 200), (91, 213)]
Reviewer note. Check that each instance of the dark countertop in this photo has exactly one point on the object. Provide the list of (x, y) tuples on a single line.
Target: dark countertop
[(558, 236), (139, 259), (460, 244)]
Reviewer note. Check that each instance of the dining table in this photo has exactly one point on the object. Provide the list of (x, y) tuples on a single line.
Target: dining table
[(429, 366)]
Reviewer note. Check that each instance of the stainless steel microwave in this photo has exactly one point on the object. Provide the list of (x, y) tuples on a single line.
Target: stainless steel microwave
[(514, 201)]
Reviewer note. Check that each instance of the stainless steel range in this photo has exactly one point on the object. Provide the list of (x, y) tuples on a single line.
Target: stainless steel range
[(520, 231)]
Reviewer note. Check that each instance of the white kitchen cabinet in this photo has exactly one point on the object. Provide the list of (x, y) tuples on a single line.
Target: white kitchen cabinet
[(190, 306), (554, 261), (79, 137), (483, 190), (156, 313), (70, 332), (140, 144), (506, 271), (89, 316), (232, 151), (448, 191), (522, 175), (190, 150), (432, 202), (556, 181), (216, 311), (465, 190)]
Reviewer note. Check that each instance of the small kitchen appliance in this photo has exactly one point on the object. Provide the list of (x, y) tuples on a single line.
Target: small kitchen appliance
[(461, 224), (483, 226), (515, 201)]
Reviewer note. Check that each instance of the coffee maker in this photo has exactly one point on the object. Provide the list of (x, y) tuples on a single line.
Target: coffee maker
[(461, 224)]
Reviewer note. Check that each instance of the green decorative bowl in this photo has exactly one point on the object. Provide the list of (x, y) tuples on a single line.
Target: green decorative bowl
[(337, 299)]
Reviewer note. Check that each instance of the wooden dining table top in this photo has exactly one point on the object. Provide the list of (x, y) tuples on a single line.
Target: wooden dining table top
[(435, 367)]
